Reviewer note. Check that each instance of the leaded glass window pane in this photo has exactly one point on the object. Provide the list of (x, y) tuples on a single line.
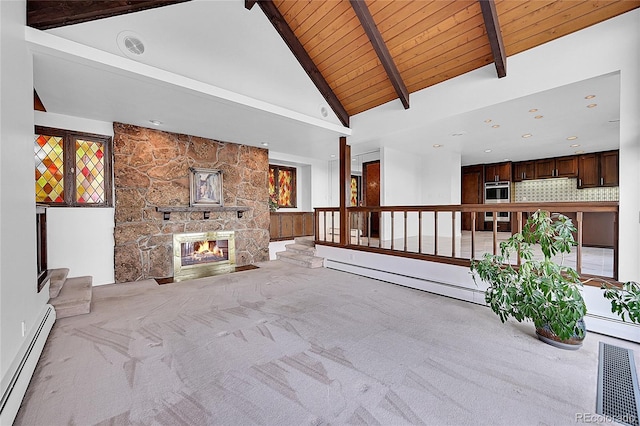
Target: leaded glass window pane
[(89, 172), (49, 169)]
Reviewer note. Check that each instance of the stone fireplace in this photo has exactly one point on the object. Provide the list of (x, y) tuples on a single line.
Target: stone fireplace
[(201, 254), (151, 171)]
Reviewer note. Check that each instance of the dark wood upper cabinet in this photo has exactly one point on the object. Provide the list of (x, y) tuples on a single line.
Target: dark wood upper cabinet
[(609, 171), (497, 172), (567, 166), (557, 167), (598, 169), (524, 170), (545, 168)]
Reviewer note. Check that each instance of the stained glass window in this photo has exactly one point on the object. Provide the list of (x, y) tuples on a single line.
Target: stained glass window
[(282, 185), (83, 180), (49, 169)]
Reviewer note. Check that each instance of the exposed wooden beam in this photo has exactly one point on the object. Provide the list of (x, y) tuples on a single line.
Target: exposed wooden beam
[(298, 50), (45, 14), (370, 28), (492, 25), (248, 4), (37, 103)]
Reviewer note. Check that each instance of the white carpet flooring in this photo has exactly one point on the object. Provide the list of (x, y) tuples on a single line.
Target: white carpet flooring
[(284, 345)]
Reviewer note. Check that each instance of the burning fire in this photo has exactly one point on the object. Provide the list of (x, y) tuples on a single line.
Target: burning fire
[(205, 247)]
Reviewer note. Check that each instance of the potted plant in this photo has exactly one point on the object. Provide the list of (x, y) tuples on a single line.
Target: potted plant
[(541, 290), (625, 300)]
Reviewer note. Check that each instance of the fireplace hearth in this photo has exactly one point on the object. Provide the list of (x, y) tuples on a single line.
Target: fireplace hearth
[(202, 254)]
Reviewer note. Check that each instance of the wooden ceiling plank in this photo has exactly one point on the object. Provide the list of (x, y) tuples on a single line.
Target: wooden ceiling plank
[(366, 20), (452, 50), (494, 34), (321, 18), (333, 59), (338, 20), (310, 15), (576, 20), (401, 19), (530, 25), (329, 39), (381, 89), (454, 25), (365, 80), (47, 14), (445, 16), (298, 50), (434, 38)]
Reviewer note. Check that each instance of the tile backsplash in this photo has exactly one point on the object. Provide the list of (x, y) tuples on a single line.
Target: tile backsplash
[(561, 189)]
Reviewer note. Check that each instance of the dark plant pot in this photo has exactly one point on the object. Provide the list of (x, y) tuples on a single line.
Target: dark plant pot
[(573, 343)]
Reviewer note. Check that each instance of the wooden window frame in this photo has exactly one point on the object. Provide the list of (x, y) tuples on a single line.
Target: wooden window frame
[(69, 138), (294, 184)]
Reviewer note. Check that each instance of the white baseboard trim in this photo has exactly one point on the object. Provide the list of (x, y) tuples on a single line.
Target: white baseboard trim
[(436, 287), (16, 381)]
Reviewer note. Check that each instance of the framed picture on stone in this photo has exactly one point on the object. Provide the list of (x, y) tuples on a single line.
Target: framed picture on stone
[(206, 187)]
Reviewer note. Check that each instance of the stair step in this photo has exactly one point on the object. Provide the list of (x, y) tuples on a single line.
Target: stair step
[(75, 297), (307, 241), (56, 281), (300, 259), (301, 249)]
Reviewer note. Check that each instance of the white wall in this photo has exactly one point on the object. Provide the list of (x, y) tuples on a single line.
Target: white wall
[(19, 300), (80, 239)]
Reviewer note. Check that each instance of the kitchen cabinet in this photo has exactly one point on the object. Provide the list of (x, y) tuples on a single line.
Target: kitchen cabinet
[(557, 167), (598, 169), (497, 172), (472, 192), (524, 170), (567, 166)]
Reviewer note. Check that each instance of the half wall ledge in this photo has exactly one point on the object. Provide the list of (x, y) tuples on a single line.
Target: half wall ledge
[(206, 210)]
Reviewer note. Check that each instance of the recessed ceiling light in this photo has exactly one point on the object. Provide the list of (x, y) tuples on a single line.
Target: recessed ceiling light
[(538, 117), (506, 159), (488, 120), (155, 122), (437, 145), (592, 105), (590, 96), (527, 135), (333, 156), (487, 150), (579, 152), (130, 44), (353, 159), (495, 126), (574, 145), (265, 143), (533, 110), (572, 138)]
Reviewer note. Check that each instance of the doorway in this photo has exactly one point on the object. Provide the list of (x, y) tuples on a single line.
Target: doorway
[(371, 194)]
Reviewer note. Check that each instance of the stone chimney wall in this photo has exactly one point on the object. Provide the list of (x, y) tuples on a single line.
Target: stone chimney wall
[(151, 169)]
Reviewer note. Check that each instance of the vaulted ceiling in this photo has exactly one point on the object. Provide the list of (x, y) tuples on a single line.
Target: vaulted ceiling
[(364, 53)]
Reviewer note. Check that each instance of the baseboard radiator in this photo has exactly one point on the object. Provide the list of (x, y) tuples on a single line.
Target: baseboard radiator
[(17, 378)]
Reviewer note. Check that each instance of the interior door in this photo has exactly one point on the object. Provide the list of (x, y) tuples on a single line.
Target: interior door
[(371, 186)]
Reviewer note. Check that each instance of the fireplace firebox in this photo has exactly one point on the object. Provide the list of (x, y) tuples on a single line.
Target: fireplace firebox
[(201, 254)]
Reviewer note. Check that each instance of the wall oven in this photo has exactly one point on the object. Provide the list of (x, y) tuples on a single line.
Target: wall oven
[(495, 193)]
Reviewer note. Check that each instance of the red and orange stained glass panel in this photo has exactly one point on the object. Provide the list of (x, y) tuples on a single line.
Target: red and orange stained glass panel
[(354, 191), (285, 188), (272, 184), (90, 186), (49, 169)]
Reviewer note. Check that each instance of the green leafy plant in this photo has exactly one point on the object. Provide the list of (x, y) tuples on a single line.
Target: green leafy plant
[(625, 300), (546, 292), (273, 204)]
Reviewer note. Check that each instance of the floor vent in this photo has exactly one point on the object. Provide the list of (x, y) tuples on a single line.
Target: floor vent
[(618, 397)]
